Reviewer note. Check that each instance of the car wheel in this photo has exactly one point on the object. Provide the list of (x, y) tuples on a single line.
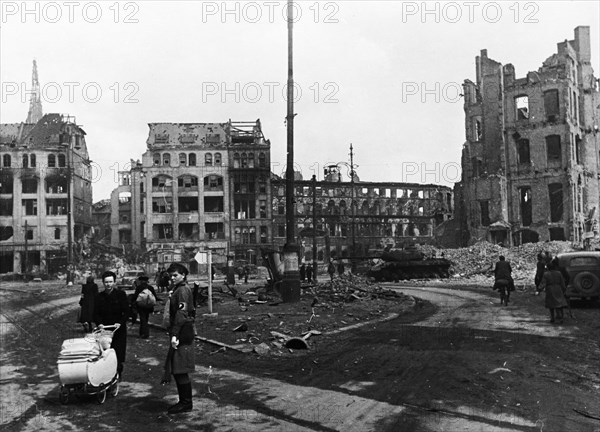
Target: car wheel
[(587, 283)]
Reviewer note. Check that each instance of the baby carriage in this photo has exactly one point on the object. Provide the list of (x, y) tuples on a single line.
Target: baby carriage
[(88, 366)]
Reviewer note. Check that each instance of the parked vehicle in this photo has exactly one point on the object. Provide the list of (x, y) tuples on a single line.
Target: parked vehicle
[(129, 277), (583, 269)]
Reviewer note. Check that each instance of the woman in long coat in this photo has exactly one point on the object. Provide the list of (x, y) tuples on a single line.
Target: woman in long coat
[(89, 292), (180, 359), (554, 284), (112, 307)]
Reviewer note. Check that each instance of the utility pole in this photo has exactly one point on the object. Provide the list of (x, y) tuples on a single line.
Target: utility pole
[(314, 224), (291, 274), (69, 212), (26, 250), (352, 210)]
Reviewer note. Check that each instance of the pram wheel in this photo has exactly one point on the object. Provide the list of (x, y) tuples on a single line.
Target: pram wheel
[(63, 395), (101, 397), (114, 389)]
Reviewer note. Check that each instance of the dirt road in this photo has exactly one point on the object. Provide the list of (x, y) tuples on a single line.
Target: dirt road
[(465, 364)]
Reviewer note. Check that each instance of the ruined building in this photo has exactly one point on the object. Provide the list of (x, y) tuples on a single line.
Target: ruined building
[(199, 185), (45, 195), (384, 214), (530, 162)]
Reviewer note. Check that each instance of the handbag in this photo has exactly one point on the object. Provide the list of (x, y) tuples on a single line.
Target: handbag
[(186, 334)]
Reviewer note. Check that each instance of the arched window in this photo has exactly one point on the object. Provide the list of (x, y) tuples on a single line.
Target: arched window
[(62, 160), (160, 182), (32, 160), (182, 159), (250, 160), (208, 160), (213, 183), (166, 159), (25, 161), (218, 159), (244, 160), (262, 160), (192, 159), (6, 160), (188, 182), (156, 159), (236, 160), (51, 161)]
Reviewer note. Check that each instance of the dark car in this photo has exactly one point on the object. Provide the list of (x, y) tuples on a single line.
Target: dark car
[(129, 277), (583, 269)]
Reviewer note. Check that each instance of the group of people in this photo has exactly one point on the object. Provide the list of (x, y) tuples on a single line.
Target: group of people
[(111, 306), (308, 272), (549, 277), (331, 268)]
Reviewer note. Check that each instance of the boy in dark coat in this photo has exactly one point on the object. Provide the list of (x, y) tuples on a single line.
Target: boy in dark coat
[(112, 307), (180, 359)]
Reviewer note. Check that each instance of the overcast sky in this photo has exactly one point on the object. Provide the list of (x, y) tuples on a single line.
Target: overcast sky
[(382, 75)]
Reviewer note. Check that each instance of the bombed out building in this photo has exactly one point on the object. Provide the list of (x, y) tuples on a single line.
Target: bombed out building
[(531, 158), (45, 195), (198, 186), (384, 215)]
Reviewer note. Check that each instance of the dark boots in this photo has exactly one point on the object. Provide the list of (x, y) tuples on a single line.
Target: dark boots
[(185, 399)]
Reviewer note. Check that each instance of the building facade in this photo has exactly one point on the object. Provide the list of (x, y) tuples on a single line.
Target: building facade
[(531, 157), (45, 195), (198, 186), (384, 215)]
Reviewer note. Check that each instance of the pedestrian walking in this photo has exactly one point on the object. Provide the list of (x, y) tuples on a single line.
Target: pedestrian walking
[(144, 304), (303, 272), (246, 274), (547, 258), (309, 273), (112, 307), (341, 268), (180, 358), (554, 285), (331, 269), (539, 270), (89, 292), (503, 281)]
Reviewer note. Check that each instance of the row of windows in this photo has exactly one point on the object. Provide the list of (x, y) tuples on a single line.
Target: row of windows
[(187, 159), (6, 233), (211, 182), (213, 231), (29, 161), (551, 106), (247, 160), (54, 185), (370, 230)]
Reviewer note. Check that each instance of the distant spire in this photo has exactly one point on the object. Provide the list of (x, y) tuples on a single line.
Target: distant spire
[(35, 113)]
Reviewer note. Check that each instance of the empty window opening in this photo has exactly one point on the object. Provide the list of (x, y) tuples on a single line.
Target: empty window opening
[(551, 105), (526, 206), (189, 231), (553, 148), (213, 204), (555, 190), (29, 185), (522, 106), (557, 234), (188, 204), (523, 151), (485, 212)]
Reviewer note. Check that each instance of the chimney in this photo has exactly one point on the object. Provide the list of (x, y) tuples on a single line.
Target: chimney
[(582, 43)]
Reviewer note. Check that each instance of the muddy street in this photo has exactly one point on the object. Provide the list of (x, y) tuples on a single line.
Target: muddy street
[(458, 362)]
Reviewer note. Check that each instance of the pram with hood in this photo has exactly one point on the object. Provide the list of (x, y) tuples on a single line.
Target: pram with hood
[(88, 366)]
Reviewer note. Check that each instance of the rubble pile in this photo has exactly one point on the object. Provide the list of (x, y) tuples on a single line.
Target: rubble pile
[(349, 287), (480, 258)]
